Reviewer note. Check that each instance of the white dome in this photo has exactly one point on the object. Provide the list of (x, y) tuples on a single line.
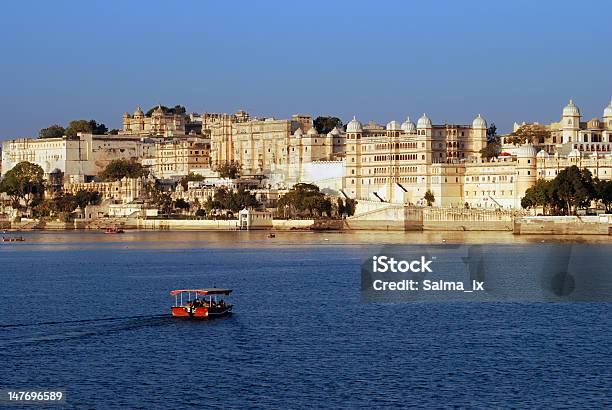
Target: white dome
[(298, 132), (542, 154), (526, 151), (574, 153), (424, 122), (479, 122), (571, 110), (394, 126), (353, 126), (335, 131), (312, 131), (608, 110), (408, 126)]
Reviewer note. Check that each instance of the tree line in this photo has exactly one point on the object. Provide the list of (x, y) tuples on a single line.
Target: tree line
[(571, 190), (74, 127)]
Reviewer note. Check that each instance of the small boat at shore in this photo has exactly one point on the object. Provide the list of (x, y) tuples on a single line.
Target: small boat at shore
[(114, 230), (205, 303), (13, 239)]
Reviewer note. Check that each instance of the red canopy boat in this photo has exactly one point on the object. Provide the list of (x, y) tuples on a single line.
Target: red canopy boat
[(201, 303), (114, 230)]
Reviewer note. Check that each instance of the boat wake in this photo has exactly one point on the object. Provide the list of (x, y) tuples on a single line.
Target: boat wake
[(65, 322), (93, 328)]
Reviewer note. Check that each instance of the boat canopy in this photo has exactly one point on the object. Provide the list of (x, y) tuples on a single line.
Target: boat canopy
[(205, 291)]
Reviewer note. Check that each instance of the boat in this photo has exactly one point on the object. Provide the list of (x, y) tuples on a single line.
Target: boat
[(13, 239), (114, 230), (205, 303)]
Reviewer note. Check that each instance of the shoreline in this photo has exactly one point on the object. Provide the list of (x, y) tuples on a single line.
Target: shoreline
[(536, 225)]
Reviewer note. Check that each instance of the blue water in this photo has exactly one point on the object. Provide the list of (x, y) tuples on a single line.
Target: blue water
[(300, 335)]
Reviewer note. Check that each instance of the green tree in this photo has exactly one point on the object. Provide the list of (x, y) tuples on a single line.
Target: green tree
[(54, 131), (493, 148), (84, 198), (350, 206), (231, 200), (119, 168), (429, 197), (181, 204), (539, 195), (529, 133), (23, 182), (323, 125), (86, 127), (114, 131), (176, 110), (188, 178), (304, 200), (229, 169), (573, 189), (603, 191)]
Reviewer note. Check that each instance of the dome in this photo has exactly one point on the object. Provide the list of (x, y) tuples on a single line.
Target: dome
[(424, 122), (479, 122), (126, 114), (526, 151), (408, 126), (353, 126), (574, 154), (542, 154), (608, 110), (394, 126), (312, 131), (335, 131), (138, 111), (298, 132), (571, 110)]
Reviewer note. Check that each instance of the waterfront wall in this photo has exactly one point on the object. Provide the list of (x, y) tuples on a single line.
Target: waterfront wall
[(385, 216), (563, 225)]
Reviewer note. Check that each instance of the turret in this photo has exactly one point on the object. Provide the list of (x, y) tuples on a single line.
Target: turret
[(607, 116), (352, 183), (526, 168), (424, 137), (570, 122), (479, 134)]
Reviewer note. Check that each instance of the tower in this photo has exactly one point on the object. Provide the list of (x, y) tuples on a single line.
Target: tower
[(570, 122), (479, 134), (526, 171), (424, 137), (352, 179)]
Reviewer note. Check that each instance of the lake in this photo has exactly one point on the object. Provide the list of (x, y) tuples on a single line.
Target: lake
[(89, 313)]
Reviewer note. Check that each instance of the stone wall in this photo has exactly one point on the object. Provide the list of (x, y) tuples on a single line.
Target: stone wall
[(563, 225)]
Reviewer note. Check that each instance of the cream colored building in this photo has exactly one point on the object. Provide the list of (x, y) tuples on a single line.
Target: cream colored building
[(275, 148), (401, 162), (125, 190), (179, 156), (80, 159), (570, 132), (159, 123)]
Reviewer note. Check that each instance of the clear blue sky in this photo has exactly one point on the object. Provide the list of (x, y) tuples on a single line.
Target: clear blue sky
[(380, 60)]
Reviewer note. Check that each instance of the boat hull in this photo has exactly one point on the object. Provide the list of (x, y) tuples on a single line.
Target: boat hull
[(200, 312)]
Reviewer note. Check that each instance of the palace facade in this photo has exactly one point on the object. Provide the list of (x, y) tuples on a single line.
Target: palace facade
[(79, 159), (570, 132), (400, 162), (273, 148)]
